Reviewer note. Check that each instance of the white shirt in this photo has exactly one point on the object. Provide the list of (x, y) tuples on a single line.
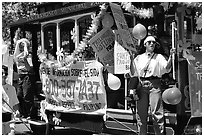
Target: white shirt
[(157, 65)]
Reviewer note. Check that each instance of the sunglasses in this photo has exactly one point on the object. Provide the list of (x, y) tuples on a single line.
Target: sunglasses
[(149, 42)]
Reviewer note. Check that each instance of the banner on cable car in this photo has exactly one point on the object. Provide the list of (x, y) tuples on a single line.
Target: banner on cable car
[(103, 45), (195, 84), (78, 88), (121, 56)]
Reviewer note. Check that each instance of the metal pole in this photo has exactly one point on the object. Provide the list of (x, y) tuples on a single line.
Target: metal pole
[(123, 124), (173, 46), (19, 118), (125, 93)]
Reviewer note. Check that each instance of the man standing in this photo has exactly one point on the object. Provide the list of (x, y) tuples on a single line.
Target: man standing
[(26, 89), (149, 67)]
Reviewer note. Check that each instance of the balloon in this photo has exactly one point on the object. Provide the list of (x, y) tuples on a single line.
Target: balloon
[(113, 82), (107, 21), (139, 31), (172, 96)]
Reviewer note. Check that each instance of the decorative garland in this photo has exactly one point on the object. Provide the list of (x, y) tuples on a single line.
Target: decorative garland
[(141, 13), (92, 30), (192, 4)]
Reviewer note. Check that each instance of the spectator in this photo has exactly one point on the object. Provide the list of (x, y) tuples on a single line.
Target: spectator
[(10, 103), (26, 87)]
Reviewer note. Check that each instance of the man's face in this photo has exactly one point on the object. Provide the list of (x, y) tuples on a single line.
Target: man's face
[(150, 46), (21, 47)]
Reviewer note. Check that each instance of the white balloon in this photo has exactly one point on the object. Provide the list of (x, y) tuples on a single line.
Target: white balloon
[(113, 82), (139, 31), (107, 21)]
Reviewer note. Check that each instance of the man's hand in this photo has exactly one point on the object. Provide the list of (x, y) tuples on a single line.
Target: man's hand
[(127, 75), (172, 51), (135, 97), (133, 94), (17, 114)]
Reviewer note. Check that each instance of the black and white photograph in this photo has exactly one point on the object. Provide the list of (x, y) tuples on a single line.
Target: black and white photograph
[(101, 68)]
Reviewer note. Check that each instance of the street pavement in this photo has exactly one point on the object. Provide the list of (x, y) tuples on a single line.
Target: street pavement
[(21, 129)]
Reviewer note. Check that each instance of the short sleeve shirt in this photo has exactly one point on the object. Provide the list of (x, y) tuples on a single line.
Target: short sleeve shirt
[(156, 67), (11, 93)]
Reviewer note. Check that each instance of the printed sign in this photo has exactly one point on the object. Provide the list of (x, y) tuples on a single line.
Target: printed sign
[(79, 88), (103, 45), (64, 10), (121, 56), (195, 84), (127, 37)]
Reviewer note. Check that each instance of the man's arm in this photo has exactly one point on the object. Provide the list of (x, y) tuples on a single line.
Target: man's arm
[(169, 62)]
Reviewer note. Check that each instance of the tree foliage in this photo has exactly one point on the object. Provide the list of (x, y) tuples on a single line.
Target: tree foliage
[(12, 11)]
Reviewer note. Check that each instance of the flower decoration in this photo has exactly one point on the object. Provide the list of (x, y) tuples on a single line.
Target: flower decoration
[(187, 55), (167, 5), (199, 22), (141, 13), (183, 48), (43, 116), (90, 32), (191, 4), (182, 44), (60, 55), (42, 57), (74, 35), (56, 118)]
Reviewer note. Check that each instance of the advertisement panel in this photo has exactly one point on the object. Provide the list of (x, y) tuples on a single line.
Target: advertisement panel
[(195, 84), (78, 88)]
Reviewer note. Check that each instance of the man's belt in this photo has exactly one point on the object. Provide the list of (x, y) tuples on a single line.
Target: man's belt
[(149, 78)]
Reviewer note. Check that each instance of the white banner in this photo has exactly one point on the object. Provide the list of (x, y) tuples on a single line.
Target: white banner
[(121, 56), (79, 88)]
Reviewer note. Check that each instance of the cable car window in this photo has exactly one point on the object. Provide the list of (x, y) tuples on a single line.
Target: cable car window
[(50, 40), (84, 23), (66, 41)]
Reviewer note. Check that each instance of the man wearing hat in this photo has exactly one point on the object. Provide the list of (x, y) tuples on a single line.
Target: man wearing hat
[(149, 68)]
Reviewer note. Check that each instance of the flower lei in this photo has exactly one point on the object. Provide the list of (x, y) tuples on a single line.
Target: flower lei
[(141, 13), (183, 49), (92, 29)]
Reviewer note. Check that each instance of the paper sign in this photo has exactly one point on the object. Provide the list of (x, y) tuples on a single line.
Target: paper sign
[(121, 56), (122, 26), (103, 45)]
